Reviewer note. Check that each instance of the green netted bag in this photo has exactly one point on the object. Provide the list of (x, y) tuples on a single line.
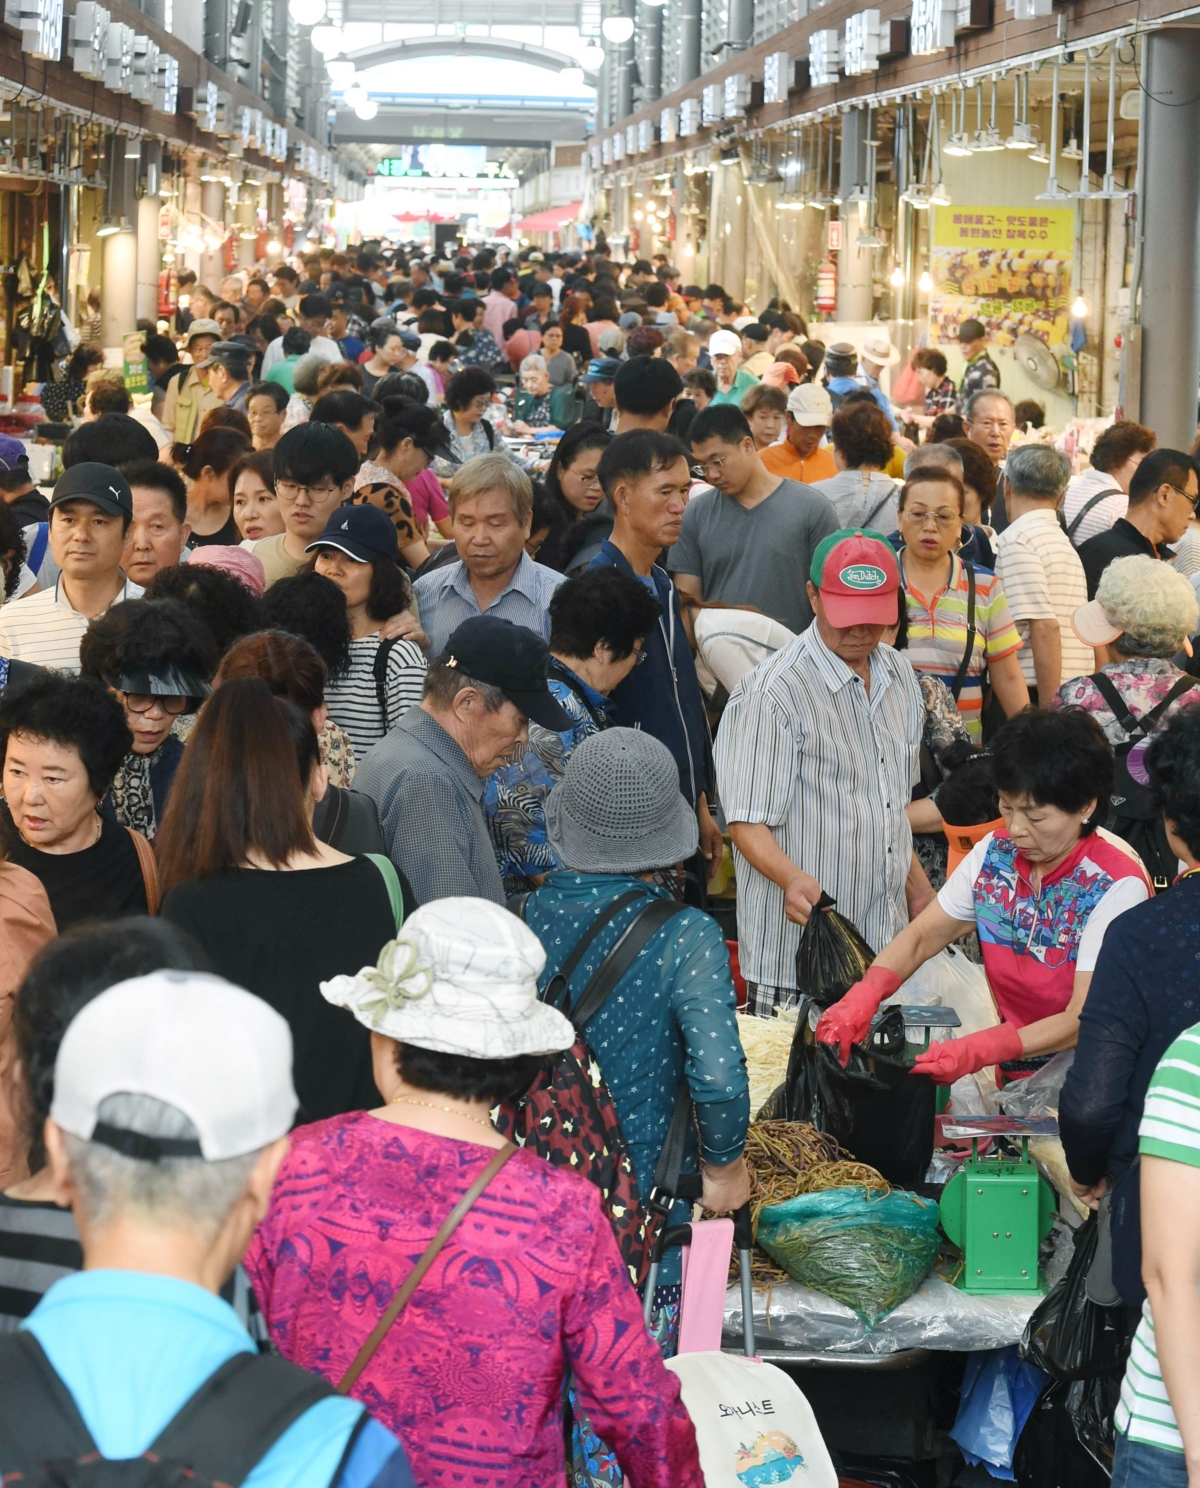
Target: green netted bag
[(865, 1249)]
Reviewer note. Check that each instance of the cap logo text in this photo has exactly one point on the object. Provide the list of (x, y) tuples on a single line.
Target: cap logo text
[(863, 576)]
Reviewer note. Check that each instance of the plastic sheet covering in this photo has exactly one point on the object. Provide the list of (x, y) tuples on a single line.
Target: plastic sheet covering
[(937, 1316)]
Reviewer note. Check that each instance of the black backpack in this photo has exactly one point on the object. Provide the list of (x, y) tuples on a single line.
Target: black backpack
[(1131, 812), (218, 1436)]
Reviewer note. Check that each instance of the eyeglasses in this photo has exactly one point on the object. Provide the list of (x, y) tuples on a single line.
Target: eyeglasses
[(291, 491), (700, 468), (921, 518), (1191, 500), (142, 702)]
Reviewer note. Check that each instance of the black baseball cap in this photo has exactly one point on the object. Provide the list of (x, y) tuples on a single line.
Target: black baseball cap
[(511, 658), (100, 484), (363, 533)]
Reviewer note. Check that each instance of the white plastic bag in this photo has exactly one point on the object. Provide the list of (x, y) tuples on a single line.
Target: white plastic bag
[(753, 1425), (950, 980)]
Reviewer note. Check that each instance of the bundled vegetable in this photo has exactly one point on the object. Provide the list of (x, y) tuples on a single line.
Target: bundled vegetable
[(867, 1250)]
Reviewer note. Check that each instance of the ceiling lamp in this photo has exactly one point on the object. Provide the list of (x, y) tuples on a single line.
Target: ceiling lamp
[(366, 108), (617, 29), (571, 77), (328, 40), (306, 12), (896, 278), (925, 282), (592, 57), (353, 92), (341, 71)]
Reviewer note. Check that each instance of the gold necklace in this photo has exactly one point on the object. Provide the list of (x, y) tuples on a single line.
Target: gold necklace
[(92, 843), (404, 1100)]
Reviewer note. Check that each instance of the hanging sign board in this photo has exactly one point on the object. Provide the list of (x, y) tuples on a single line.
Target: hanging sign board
[(134, 371), (834, 239), (1009, 267)]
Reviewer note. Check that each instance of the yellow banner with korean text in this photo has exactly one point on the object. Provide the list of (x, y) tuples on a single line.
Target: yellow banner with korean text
[(1009, 267)]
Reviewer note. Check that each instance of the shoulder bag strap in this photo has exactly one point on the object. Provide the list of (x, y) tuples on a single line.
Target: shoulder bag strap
[(488, 432), (1075, 522), (337, 814), (379, 671), (38, 1416), (647, 922), (1136, 728), (669, 1168), (237, 1415), (567, 970), (392, 879), (145, 857), (1184, 684), (878, 507), (969, 649), (417, 1274), (560, 674)]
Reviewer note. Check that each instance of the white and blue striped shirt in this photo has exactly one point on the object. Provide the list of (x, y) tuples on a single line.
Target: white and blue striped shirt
[(445, 599), (829, 767), (45, 629)]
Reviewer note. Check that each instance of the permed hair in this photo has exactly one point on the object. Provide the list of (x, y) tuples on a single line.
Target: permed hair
[(1155, 606)]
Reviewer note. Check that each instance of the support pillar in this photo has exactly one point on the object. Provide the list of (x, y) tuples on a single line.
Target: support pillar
[(854, 298), (1170, 213), (149, 260), (625, 62), (651, 49), (689, 40), (246, 221), (212, 205), (741, 24), (118, 288)]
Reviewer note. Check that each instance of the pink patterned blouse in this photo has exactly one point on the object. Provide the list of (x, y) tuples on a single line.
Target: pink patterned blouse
[(530, 1285)]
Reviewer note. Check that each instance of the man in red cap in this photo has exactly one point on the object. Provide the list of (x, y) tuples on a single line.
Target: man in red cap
[(816, 759)]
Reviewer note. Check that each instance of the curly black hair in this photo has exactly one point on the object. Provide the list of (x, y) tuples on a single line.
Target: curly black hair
[(12, 549), (225, 606), (601, 605), (1173, 764), (862, 435), (147, 635), (76, 712), (312, 607), (82, 962)]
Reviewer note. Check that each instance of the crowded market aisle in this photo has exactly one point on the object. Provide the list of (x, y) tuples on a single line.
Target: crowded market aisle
[(476, 798)]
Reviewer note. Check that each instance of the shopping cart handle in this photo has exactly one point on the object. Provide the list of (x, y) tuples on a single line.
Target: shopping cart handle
[(743, 1228)]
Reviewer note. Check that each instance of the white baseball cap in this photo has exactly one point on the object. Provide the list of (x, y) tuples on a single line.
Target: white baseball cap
[(724, 343), (810, 404), (213, 1051)]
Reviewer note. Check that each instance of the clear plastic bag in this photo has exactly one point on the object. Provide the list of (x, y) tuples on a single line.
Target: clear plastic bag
[(1038, 1095), (868, 1250), (999, 1392), (950, 980)]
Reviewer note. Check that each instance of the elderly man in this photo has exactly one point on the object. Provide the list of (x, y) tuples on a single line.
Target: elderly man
[(1162, 503), (816, 758), (991, 425), (159, 531), (173, 1099), (491, 510), (427, 775), (229, 374), (189, 397), (733, 381), (801, 456), (1042, 576)]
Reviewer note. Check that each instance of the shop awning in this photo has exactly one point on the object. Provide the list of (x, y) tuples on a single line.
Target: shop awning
[(552, 220)]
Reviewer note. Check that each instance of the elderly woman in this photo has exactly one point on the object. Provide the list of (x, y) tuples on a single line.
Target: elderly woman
[(533, 400), (862, 495), (530, 1288), (156, 659), (1144, 612), (959, 626), (62, 740), (1041, 894)]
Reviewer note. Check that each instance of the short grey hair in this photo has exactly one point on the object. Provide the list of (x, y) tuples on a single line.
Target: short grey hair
[(306, 372), (443, 683), (1037, 471), (494, 472), (173, 1190), (534, 362), (1155, 605), (933, 457), (977, 398)]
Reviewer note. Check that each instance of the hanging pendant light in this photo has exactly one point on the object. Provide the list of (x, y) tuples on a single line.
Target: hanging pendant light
[(959, 142), (306, 12), (1022, 136)]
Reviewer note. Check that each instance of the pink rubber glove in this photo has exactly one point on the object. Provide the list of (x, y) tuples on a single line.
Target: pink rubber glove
[(848, 1021), (945, 1063)]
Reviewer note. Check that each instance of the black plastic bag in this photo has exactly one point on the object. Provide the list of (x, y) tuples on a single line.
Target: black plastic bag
[(1070, 1337), (875, 1108), (831, 957), (1051, 1452)]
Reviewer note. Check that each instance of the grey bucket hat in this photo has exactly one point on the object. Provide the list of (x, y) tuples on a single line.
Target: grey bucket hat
[(618, 808)]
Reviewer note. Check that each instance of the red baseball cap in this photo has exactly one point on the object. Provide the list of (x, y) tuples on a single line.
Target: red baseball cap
[(858, 577)]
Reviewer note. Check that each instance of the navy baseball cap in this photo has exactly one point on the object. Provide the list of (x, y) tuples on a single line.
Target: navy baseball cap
[(12, 453), (100, 484), (601, 369), (512, 659), (409, 339), (363, 533)]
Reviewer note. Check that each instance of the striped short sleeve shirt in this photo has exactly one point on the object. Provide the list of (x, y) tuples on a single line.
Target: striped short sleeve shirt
[(46, 630), (1170, 1129), (937, 634), (829, 767), (1043, 580)]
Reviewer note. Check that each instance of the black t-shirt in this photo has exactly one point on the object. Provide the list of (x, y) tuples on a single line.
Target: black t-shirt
[(225, 537), (102, 882), (280, 935), (1122, 540)]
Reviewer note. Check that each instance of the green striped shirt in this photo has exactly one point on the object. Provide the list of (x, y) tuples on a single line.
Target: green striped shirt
[(1170, 1129)]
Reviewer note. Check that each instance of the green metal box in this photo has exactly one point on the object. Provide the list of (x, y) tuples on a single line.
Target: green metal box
[(996, 1211)]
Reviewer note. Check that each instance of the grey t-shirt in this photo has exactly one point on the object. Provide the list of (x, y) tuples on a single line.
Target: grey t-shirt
[(759, 557)]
